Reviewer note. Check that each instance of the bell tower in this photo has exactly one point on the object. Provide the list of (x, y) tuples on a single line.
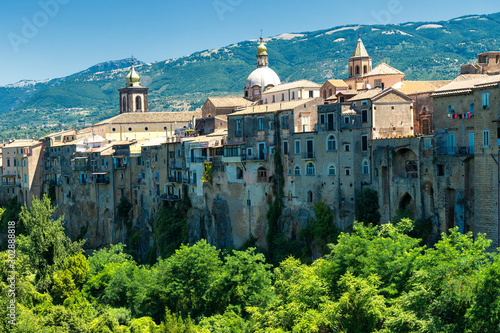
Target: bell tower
[(360, 63), (134, 97)]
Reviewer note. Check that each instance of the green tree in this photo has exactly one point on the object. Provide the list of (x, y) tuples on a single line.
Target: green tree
[(385, 251), (45, 243), (185, 280), (367, 206)]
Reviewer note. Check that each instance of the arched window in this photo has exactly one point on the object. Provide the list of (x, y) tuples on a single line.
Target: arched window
[(365, 70), (350, 70), (310, 169), (332, 171), (324, 94), (138, 103), (365, 168), (309, 197), (450, 109), (331, 143), (261, 175), (124, 104), (357, 70), (296, 171), (331, 92)]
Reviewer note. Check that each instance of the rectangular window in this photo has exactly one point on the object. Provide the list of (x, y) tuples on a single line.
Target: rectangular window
[(348, 171), (293, 94), (271, 125), (284, 122), (289, 171), (347, 147), (347, 120), (311, 94), (364, 116), (440, 169), (364, 142), (249, 152), (486, 99), (285, 147), (261, 124), (486, 138), (427, 143), (156, 157), (237, 128), (321, 118), (282, 97), (297, 147)]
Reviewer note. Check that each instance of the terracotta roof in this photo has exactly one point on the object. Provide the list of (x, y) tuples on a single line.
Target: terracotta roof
[(491, 80), (460, 85), (420, 87), (292, 85), (368, 94), (384, 69), (151, 117), (155, 142), (222, 102), (21, 143), (337, 83), (347, 92), (273, 107)]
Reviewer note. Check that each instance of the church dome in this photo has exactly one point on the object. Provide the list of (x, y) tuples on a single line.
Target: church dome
[(262, 77)]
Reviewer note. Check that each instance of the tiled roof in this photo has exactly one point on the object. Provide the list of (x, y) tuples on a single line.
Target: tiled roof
[(273, 107), (420, 87), (292, 85), (347, 92), (460, 85), (21, 143), (491, 80), (369, 94), (384, 69), (338, 83), (151, 117), (221, 102)]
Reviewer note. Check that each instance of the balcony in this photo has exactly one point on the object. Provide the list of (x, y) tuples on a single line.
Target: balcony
[(202, 159), (170, 197), (257, 158), (55, 182), (189, 181), (456, 150), (6, 183), (119, 166), (308, 155)]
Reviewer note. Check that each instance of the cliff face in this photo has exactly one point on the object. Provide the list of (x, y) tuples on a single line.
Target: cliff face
[(212, 224)]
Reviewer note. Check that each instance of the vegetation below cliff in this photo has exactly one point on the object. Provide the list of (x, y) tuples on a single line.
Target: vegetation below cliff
[(375, 279)]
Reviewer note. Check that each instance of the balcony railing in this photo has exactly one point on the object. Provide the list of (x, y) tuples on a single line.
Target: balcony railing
[(308, 155), (9, 183), (202, 159), (256, 157), (56, 183), (170, 197), (102, 181), (120, 165), (456, 150)]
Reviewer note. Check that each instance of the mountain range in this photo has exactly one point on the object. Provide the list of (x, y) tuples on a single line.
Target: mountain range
[(422, 50)]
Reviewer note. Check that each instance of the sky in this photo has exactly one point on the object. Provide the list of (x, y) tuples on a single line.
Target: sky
[(46, 39)]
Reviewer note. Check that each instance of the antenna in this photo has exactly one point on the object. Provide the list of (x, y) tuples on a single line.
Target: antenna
[(261, 33)]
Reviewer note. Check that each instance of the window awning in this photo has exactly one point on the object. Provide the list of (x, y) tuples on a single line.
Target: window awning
[(100, 173)]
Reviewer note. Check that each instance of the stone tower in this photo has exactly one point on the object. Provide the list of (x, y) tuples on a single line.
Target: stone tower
[(360, 63), (134, 97)]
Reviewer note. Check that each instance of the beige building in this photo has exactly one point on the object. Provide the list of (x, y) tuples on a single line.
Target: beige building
[(286, 92), (22, 170)]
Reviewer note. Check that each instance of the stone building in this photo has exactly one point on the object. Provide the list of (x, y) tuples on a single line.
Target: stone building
[(286, 92), (487, 63), (22, 170)]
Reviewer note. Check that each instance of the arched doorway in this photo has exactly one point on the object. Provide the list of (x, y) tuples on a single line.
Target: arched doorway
[(407, 206)]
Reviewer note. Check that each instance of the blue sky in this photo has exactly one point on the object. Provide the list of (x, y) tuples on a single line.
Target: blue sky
[(42, 39)]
